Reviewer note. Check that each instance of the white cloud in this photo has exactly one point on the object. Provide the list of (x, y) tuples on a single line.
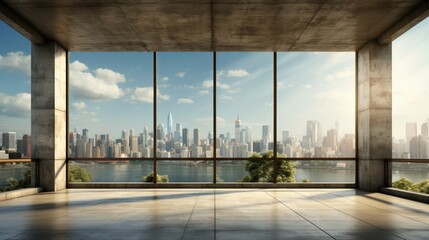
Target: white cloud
[(208, 83), (341, 75), (222, 85), (16, 61), (145, 94), (180, 74), (307, 86), (15, 106), (185, 100), (209, 120), (237, 73), (79, 105), (203, 92), (165, 78), (101, 84), (163, 97)]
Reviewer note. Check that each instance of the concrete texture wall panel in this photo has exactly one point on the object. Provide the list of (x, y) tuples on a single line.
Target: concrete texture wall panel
[(48, 113), (374, 113)]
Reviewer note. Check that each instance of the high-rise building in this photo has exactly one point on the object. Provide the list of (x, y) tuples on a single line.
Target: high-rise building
[(197, 137), (237, 129), (210, 137), (160, 132), (176, 134), (85, 135), (418, 147), (26, 142), (9, 141), (266, 132), (410, 130), (185, 137), (331, 138), (314, 133), (425, 129), (248, 135), (285, 135), (169, 123)]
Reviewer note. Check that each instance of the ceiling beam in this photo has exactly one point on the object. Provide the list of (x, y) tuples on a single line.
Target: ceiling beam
[(20, 25), (412, 18)]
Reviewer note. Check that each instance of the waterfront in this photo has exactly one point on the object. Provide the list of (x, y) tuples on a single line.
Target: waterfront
[(183, 171)]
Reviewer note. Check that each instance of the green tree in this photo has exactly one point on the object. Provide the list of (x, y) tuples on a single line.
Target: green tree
[(403, 183), (422, 187), (14, 184), (261, 168), (79, 174), (159, 178)]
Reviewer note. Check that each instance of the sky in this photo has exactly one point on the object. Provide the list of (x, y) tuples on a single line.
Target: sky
[(114, 91)]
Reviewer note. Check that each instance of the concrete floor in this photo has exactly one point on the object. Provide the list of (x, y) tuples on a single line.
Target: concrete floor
[(213, 214)]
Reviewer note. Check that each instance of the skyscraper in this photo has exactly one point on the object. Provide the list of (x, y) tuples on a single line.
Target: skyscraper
[(425, 129), (410, 131), (314, 132), (265, 132), (169, 123), (237, 129), (185, 138), (85, 134), (197, 137), (9, 141)]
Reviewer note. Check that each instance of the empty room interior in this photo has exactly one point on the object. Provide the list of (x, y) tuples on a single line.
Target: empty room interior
[(214, 119)]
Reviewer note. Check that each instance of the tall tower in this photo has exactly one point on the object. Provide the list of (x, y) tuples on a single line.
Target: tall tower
[(237, 129), (197, 137), (185, 138), (169, 123), (266, 132)]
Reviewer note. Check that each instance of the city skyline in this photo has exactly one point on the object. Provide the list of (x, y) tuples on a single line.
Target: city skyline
[(184, 83)]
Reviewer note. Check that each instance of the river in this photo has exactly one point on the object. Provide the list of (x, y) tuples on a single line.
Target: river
[(179, 171)]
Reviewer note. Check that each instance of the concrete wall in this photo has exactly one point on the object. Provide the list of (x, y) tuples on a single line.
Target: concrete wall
[(374, 69), (48, 113)]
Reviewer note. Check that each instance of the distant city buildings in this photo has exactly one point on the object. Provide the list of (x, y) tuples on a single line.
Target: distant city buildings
[(188, 142), (414, 146)]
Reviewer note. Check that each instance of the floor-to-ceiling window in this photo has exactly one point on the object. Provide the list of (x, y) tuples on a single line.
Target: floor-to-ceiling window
[(316, 114), (184, 131), (15, 109), (244, 104), (110, 117), (280, 117), (410, 114)]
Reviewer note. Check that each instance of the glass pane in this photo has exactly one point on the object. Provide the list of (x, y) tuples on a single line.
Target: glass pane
[(316, 104), (110, 171), (230, 171), (325, 171), (15, 108), (111, 105), (184, 105), (411, 177), (410, 69), (244, 104), (14, 176), (185, 171)]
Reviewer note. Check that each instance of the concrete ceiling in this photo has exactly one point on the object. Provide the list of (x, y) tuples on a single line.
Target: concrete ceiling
[(220, 25)]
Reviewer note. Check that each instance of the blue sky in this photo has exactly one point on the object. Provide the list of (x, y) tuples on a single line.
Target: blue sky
[(113, 91)]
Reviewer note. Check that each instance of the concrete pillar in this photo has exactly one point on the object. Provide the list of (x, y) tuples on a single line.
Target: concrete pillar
[(374, 75), (48, 113)]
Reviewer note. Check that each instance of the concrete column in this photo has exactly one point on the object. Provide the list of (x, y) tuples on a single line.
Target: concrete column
[(48, 113), (374, 69)]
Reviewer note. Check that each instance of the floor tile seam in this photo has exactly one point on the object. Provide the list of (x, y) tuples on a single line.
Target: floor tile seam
[(190, 216), (301, 216), (379, 228), (378, 208)]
